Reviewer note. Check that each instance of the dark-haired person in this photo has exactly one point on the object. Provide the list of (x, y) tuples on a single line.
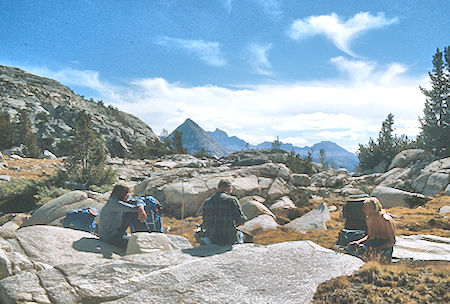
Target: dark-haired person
[(221, 215), (380, 236), (117, 215)]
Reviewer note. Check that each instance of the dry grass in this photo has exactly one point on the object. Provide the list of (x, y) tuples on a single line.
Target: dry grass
[(31, 168), (423, 219), (183, 227), (407, 282)]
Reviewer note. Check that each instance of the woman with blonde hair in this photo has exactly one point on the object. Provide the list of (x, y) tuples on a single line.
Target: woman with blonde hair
[(380, 236)]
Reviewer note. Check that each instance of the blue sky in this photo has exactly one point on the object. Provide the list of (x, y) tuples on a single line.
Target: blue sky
[(305, 71)]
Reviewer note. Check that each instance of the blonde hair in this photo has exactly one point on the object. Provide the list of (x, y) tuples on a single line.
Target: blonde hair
[(374, 205)]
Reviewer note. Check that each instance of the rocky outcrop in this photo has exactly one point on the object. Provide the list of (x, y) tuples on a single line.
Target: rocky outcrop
[(406, 158), (391, 197), (191, 186), (316, 219), (57, 265), (422, 247), (252, 209), (53, 108), (259, 223), (54, 211), (283, 207)]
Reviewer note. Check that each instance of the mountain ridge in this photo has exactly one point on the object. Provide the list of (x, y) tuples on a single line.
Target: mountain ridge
[(53, 108)]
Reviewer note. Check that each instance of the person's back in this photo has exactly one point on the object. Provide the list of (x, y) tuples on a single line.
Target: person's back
[(221, 214)]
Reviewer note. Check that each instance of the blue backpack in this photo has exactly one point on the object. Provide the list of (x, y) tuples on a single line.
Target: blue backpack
[(81, 219), (152, 206)]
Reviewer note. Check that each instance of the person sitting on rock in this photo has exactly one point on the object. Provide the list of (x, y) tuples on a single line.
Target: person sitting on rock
[(117, 215), (380, 237), (221, 214)]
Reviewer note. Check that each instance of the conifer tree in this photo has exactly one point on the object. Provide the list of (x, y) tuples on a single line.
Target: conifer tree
[(276, 144), (87, 158), (26, 135), (177, 142), (6, 131), (384, 149), (386, 142), (435, 123)]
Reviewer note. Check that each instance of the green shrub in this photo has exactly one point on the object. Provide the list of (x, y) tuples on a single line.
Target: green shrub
[(45, 194), (18, 195)]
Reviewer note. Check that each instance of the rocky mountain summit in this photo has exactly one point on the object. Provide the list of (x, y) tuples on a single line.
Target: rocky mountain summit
[(195, 138), (53, 108)]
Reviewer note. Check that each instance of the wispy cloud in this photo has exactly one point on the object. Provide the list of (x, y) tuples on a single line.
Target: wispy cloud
[(340, 32), (271, 7), (208, 51), (366, 71), (258, 59), (228, 5), (303, 113)]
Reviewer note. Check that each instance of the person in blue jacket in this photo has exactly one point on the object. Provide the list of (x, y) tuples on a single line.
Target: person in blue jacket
[(117, 215)]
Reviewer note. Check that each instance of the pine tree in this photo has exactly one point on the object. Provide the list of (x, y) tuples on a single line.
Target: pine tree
[(276, 144), (26, 135), (322, 159), (384, 149), (386, 139), (87, 158), (6, 131), (177, 142), (434, 136)]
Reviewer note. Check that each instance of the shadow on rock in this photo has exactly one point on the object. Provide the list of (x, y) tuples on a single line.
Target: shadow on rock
[(207, 250), (96, 246)]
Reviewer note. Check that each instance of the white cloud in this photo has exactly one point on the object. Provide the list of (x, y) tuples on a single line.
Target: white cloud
[(73, 77), (366, 71), (319, 121), (208, 51), (296, 141), (258, 59), (338, 135), (347, 112), (340, 32)]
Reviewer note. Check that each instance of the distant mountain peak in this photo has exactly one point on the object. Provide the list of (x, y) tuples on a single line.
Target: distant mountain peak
[(195, 138)]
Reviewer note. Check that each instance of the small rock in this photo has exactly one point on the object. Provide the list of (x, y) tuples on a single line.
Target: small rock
[(332, 208), (49, 155), (16, 157), (444, 209), (15, 168), (5, 178), (447, 190)]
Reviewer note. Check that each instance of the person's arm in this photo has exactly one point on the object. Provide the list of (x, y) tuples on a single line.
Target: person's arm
[(362, 240), (240, 218), (121, 206), (367, 237)]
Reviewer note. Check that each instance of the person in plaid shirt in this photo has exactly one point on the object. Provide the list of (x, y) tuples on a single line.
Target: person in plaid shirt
[(221, 214)]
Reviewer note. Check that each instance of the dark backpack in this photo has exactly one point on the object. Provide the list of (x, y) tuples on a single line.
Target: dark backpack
[(81, 219)]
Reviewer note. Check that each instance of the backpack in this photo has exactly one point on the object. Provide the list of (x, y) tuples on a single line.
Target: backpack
[(81, 219), (348, 235), (152, 207)]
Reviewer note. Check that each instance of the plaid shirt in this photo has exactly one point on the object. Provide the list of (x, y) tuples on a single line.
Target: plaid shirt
[(221, 213)]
